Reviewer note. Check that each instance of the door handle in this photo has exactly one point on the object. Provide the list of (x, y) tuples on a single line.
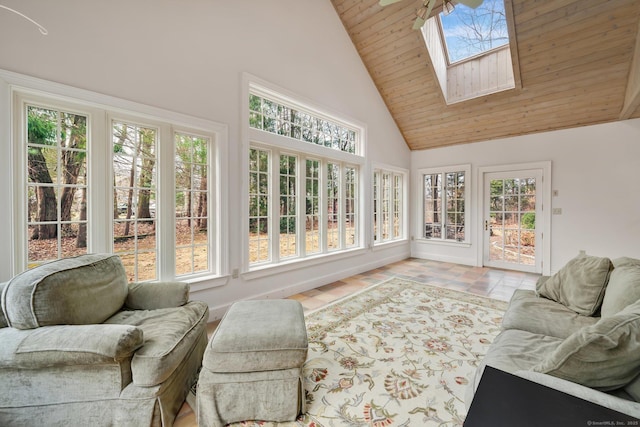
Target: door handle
[(486, 225)]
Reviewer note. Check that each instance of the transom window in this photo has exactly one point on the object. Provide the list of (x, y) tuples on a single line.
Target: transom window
[(304, 181), (275, 117), (445, 195)]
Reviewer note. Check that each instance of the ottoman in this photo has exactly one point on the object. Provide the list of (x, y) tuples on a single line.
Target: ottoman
[(252, 366)]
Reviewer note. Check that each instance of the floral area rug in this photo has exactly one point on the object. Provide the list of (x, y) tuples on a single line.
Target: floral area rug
[(400, 353)]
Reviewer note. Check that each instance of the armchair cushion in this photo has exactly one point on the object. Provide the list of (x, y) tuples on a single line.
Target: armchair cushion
[(169, 334), (86, 289), (62, 345), (579, 285), (151, 296)]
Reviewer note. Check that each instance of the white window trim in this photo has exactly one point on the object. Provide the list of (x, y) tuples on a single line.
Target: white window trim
[(403, 238), (251, 137), (419, 195), (16, 87)]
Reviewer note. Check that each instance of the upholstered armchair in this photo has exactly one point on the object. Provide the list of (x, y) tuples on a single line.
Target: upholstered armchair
[(79, 346)]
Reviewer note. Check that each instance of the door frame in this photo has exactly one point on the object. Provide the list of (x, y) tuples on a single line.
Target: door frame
[(543, 223)]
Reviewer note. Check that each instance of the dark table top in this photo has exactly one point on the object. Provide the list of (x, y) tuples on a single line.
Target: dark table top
[(506, 400)]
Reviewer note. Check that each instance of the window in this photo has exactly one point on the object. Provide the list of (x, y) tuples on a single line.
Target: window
[(134, 174), (56, 168), (304, 177), (388, 205), (193, 251), (155, 206), (259, 205), (444, 194)]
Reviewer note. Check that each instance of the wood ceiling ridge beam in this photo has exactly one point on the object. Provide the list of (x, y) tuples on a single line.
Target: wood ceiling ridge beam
[(632, 93)]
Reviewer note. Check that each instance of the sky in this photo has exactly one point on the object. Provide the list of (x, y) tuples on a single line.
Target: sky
[(459, 28)]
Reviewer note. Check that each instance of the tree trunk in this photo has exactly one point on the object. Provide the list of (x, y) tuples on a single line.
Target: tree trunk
[(146, 175), (81, 241), (46, 196)]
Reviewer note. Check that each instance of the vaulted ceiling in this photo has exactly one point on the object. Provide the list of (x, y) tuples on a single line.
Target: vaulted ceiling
[(579, 64)]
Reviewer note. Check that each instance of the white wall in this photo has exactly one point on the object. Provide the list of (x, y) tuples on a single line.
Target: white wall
[(189, 56), (596, 171)]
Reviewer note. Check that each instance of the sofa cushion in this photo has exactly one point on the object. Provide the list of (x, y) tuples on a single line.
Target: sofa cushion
[(603, 355), (169, 336), (82, 290), (530, 312), (579, 285), (623, 289), (3, 320)]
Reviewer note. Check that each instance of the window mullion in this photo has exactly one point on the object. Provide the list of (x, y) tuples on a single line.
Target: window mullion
[(342, 210), (443, 207), (274, 206), (301, 212), (165, 203), (324, 205)]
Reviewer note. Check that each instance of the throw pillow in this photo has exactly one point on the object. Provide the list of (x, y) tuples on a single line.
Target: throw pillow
[(579, 285), (623, 289), (71, 291), (603, 355)]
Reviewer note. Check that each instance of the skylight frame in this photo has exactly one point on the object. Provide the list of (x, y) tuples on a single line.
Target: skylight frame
[(459, 81)]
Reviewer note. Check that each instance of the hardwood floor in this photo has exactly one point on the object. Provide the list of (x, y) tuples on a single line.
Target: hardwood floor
[(493, 283)]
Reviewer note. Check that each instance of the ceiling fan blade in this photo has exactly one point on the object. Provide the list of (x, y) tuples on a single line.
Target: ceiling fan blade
[(387, 2), (469, 3), (423, 14)]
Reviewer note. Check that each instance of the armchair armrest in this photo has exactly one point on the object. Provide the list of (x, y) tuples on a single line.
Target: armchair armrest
[(155, 295), (619, 404), (62, 345)]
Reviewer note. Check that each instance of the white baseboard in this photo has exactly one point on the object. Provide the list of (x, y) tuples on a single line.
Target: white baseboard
[(216, 313), (444, 258)]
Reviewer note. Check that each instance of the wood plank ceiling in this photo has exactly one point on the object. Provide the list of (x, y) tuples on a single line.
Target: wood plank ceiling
[(575, 58)]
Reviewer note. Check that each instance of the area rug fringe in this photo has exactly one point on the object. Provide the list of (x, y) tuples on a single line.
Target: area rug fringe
[(398, 353)]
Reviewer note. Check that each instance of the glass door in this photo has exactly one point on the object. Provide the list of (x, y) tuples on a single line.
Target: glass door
[(512, 203)]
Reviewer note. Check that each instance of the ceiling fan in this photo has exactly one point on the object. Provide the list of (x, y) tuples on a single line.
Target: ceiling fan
[(424, 12)]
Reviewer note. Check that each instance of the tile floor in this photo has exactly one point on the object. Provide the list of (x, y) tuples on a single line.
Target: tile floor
[(493, 283)]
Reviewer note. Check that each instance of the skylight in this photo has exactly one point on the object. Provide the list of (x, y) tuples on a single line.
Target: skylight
[(469, 32)]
